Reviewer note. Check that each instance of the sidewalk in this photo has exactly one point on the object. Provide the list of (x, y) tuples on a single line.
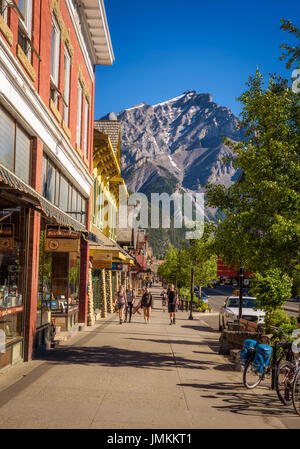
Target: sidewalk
[(138, 375)]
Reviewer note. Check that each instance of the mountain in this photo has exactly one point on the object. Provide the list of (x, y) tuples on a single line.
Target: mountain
[(177, 145)]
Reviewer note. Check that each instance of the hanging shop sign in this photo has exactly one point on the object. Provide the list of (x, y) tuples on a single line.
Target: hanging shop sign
[(102, 260), (116, 266), (7, 237), (61, 239)]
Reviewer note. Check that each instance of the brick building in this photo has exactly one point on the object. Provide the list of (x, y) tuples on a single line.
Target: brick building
[(48, 53)]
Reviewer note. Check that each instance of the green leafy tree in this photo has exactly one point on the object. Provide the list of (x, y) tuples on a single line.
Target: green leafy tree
[(272, 289), (261, 228)]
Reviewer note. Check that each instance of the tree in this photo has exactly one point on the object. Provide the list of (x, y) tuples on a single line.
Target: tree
[(168, 269), (261, 229), (196, 253)]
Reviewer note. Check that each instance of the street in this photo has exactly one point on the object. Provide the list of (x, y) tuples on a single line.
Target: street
[(218, 295), (139, 376)]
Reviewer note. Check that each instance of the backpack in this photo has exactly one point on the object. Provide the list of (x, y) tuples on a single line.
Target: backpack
[(262, 357), (246, 352)]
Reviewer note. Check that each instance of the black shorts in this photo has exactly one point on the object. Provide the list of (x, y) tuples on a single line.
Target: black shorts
[(172, 307)]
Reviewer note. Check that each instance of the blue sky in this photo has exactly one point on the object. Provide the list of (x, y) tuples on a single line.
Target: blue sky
[(165, 47)]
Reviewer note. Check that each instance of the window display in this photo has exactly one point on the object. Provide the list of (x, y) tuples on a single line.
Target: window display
[(12, 258), (59, 273)]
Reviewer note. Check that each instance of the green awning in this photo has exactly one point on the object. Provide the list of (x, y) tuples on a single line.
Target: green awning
[(51, 211)]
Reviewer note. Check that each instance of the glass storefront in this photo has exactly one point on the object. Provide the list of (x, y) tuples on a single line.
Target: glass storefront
[(12, 275), (59, 276)]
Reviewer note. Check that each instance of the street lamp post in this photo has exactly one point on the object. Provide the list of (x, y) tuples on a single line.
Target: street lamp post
[(192, 294), (241, 281)]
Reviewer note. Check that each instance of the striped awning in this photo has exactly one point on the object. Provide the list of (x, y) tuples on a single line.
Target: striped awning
[(51, 211)]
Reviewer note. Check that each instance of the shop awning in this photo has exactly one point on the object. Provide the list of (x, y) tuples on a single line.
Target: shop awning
[(38, 201), (108, 245)]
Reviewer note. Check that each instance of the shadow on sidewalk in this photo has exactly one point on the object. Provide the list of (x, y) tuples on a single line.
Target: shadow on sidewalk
[(214, 346), (115, 357), (238, 400)]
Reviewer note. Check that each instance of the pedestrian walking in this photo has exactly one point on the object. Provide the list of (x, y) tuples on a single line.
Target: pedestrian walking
[(164, 299), (147, 304), (121, 302), (172, 302), (130, 296)]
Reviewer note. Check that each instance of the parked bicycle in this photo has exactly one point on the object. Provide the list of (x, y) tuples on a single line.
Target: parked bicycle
[(280, 362)]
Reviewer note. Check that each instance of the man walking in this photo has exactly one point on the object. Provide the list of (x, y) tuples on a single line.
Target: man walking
[(130, 302), (172, 302)]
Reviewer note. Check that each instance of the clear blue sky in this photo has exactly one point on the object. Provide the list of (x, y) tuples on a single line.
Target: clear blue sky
[(165, 47)]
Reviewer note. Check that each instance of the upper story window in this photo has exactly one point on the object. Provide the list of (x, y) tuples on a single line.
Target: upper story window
[(3, 9), (55, 56), (59, 191), (86, 124), (79, 115), (25, 26), (67, 73), (15, 147)]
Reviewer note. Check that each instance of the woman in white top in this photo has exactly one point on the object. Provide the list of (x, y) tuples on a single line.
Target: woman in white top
[(121, 302)]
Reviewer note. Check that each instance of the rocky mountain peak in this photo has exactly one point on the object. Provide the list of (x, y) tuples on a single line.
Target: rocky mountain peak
[(176, 143)]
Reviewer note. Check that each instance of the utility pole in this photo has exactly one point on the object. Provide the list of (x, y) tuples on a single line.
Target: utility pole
[(241, 281), (192, 294)]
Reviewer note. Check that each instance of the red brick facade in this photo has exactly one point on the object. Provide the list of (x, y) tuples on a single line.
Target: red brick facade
[(36, 70)]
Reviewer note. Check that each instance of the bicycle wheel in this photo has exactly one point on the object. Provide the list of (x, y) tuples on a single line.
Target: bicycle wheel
[(296, 393), (284, 378), (251, 377)]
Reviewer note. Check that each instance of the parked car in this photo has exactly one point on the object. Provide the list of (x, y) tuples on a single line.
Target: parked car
[(230, 311), (204, 297)]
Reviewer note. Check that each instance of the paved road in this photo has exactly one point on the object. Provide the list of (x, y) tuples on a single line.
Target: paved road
[(138, 376), (218, 296)]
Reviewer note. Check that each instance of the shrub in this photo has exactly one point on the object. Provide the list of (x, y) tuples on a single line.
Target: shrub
[(280, 319)]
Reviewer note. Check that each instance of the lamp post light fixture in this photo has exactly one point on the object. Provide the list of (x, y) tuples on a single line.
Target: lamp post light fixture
[(192, 294), (241, 281)]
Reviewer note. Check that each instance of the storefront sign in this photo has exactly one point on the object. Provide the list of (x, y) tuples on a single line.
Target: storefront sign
[(7, 241), (102, 260), (116, 266), (61, 239), (11, 311)]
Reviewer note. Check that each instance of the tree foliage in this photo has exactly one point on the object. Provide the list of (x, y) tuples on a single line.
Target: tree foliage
[(196, 253), (261, 229)]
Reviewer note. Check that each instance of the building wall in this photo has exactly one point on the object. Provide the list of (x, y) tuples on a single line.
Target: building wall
[(25, 94)]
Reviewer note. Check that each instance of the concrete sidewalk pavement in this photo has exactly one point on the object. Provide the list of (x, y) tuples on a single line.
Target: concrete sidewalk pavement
[(138, 375)]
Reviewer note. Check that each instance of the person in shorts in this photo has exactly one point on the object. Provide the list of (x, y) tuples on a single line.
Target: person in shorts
[(164, 299), (130, 296), (147, 304), (121, 302), (172, 302)]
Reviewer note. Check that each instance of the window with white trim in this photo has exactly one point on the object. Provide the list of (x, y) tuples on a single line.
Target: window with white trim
[(67, 73), (3, 9), (55, 50), (25, 26), (79, 115), (86, 127)]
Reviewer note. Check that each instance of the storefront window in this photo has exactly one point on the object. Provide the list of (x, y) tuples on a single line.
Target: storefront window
[(12, 271), (59, 191), (59, 274), (7, 133), (45, 288), (15, 147), (63, 203), (22, 163)]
